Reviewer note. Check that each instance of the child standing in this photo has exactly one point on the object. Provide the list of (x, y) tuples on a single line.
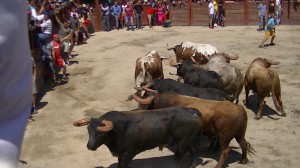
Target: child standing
[(57, 58)]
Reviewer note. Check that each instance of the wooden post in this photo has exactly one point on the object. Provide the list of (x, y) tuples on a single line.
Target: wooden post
[(190, 12), (97, 20), (289, 8), (246, 12)]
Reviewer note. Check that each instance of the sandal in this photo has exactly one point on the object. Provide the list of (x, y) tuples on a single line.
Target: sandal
[(65, 78), (261, 46)]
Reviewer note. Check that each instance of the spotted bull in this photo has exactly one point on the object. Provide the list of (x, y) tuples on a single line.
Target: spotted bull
[(128, 133), (193, 51), (263, 81)]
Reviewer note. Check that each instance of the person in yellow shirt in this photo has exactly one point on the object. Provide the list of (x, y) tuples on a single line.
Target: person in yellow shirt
[(215, 12)]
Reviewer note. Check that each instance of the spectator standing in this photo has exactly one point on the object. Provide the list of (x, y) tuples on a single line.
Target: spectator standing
[(150, 13), (124, 5), (57, 58), (262, 11), (129, 14), (43, 38), (215, 12), (278, 11), (65, 35), (221, 12), (116, 11), (211, 11), (138, 9), (270, 31), (32, 8), (106, 16), (160, 11), (271, 8)]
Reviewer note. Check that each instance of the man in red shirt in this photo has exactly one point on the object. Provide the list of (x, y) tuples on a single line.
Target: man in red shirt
[(150, 12), (57, 58), (129, 16)]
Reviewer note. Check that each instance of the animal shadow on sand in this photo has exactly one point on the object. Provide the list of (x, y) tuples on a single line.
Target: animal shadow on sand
[(169, 161), (253, 105)]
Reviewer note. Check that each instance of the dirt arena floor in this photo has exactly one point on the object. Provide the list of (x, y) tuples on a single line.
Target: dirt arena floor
[(104, 78)]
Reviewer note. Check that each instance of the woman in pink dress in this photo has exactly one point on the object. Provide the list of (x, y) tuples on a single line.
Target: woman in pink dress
[(160, 11)]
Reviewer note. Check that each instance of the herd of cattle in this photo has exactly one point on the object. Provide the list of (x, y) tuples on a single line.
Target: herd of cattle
[(174, 114)]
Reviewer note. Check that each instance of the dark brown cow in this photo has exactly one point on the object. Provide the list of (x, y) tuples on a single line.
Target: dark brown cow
[(221, 119), (192, 51), (263, 81)]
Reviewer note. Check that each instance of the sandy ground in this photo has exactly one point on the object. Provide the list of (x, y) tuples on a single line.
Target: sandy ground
[(103, 79)]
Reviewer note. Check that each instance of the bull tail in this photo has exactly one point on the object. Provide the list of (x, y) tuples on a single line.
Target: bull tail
[(275, 81), (250, 149)]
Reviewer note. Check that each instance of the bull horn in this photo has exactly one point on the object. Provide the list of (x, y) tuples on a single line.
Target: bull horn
[(273, 62), (172, 48), (172, 64), (233, 57), (151, 91), (145, 101), (82, 122), (108, 126), (161, 57)]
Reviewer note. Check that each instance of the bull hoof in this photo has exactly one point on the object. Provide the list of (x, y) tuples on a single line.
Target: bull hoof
[(283, 115), (243, 161)]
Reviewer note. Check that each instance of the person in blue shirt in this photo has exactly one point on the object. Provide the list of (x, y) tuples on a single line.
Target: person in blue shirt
[(262, 11), (116, 11), (270, 31)]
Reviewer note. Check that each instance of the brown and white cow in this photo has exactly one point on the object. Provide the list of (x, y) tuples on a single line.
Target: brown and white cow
[(221, 119), (193, 51), (232, 77), (148, 68), (263, 81)]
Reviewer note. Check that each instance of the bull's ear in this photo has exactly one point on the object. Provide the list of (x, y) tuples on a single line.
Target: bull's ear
[(82, 122), (107, 126)]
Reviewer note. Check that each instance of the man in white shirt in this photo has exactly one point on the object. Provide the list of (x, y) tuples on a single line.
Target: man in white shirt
[(278, 11), (15, 81), (211, 14), (44, 37)]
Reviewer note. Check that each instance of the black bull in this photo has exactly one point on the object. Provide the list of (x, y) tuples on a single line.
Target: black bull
[(162, 85), (197, 77), (131, 132)]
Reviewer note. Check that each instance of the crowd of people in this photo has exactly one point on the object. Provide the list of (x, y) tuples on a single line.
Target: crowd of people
[(54, 36), (125, 13)]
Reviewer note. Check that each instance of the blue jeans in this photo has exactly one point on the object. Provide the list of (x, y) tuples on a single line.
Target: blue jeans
[(138, 21), (106, 23), (117, 21), (262, 22), (130, 19), (41, 41)]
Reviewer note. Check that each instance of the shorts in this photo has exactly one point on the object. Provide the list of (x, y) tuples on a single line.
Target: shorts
[(60, 62), (269, 33), (34, 88), (211, 16), (66, 46)]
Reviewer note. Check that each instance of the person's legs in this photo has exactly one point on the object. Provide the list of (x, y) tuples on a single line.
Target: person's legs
[(272, 39), (131, 22), (267, 35), (149, 20), (117, 21)]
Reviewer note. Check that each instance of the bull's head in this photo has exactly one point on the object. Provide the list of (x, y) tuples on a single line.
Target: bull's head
[(181, 66), (222, 57), (98, 130)]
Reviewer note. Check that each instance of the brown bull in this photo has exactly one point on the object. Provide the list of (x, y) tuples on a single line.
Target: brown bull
[(192, 51), (263, 81), (221, 119), (232, 77)]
